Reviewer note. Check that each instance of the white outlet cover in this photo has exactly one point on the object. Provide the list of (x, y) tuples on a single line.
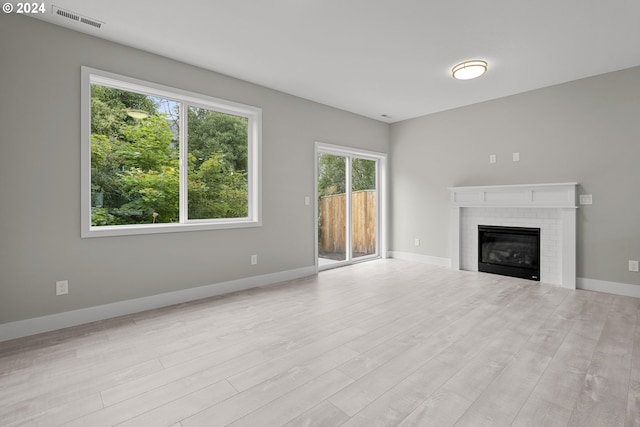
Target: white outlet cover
[(633, 266), (307, 200), (516, 157), (62, 287), (417, 242), (492, 158)]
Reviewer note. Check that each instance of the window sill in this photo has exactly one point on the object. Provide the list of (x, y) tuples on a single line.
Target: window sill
[(127, 230)]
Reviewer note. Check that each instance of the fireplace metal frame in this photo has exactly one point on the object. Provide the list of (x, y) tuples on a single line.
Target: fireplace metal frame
[(531, 273)]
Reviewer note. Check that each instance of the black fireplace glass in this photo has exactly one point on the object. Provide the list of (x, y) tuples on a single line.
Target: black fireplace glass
[(510, 251)]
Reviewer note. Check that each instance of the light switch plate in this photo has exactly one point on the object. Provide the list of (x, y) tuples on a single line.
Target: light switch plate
[(586, 199), (492, 158), (516, 157)]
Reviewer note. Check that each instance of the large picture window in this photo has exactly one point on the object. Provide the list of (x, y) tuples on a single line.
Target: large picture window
[(157, 159)]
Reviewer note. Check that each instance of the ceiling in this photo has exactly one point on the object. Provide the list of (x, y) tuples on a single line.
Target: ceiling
[(378, 57)]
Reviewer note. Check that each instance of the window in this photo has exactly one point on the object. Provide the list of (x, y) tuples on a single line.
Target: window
[(157, 159)]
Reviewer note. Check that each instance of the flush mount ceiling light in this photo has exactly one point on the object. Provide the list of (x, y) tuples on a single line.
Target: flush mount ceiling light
[(469, 70)]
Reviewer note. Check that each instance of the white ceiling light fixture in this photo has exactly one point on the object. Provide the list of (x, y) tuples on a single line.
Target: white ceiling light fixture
[(468, 70)]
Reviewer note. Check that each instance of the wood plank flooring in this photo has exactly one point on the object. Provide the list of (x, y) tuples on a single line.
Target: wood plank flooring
[(381, 343)]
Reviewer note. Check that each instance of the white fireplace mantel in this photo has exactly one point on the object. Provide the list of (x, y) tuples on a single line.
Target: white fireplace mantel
[(560, 196)]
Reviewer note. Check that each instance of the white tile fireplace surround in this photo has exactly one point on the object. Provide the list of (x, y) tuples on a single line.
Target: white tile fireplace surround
[(550, 207)]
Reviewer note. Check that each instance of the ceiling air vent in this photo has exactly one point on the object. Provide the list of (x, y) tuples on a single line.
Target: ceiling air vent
[(87, 21), (76, 17), (66, 14)]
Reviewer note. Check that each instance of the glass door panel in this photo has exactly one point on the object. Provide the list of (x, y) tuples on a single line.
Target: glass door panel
[(332, 209), (364, 208)]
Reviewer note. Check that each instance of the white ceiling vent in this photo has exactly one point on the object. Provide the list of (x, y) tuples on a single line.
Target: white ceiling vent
[(76, 17)]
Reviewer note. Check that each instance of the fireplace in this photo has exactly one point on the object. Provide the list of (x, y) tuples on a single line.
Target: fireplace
[(509, 251), (550, 207)]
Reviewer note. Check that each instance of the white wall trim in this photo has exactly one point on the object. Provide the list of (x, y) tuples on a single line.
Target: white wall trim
[(425, 259), (615, 288), (23, 328)]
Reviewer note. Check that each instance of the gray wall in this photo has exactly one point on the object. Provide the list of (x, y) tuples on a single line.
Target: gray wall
[(40, 179), (586, 131)]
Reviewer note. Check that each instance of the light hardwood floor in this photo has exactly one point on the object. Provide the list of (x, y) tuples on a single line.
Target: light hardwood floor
[(382, 343)]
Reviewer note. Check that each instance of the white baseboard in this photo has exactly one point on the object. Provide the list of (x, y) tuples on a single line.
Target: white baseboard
[(608, 287), (426, 259), (23, 328)]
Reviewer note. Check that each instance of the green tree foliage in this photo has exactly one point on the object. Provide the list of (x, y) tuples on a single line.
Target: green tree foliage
[(147, 144), (218, 185), (135, 172), (363, 174), (109, 109), (216, 190), (331, 175), (214, 132), (152, 191)]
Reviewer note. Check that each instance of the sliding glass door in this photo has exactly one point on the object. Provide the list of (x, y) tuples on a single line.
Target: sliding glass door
[(364, 208), (332, 209), (348, 205)]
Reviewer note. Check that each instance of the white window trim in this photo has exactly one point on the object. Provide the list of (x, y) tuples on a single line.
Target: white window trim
[(254, 160)]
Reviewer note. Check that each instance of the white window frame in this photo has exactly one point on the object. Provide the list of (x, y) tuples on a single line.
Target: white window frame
[(254, 133)]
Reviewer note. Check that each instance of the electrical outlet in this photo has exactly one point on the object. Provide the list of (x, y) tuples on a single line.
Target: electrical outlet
[(492, 158), (633, 266), (254, 259), (62, 287), (516, 157), (416, 242)]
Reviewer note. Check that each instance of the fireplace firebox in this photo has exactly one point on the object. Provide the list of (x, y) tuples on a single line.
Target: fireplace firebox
[(509, 251)]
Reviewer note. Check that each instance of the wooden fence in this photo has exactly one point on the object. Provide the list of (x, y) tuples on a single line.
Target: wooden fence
[(333, 223)]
